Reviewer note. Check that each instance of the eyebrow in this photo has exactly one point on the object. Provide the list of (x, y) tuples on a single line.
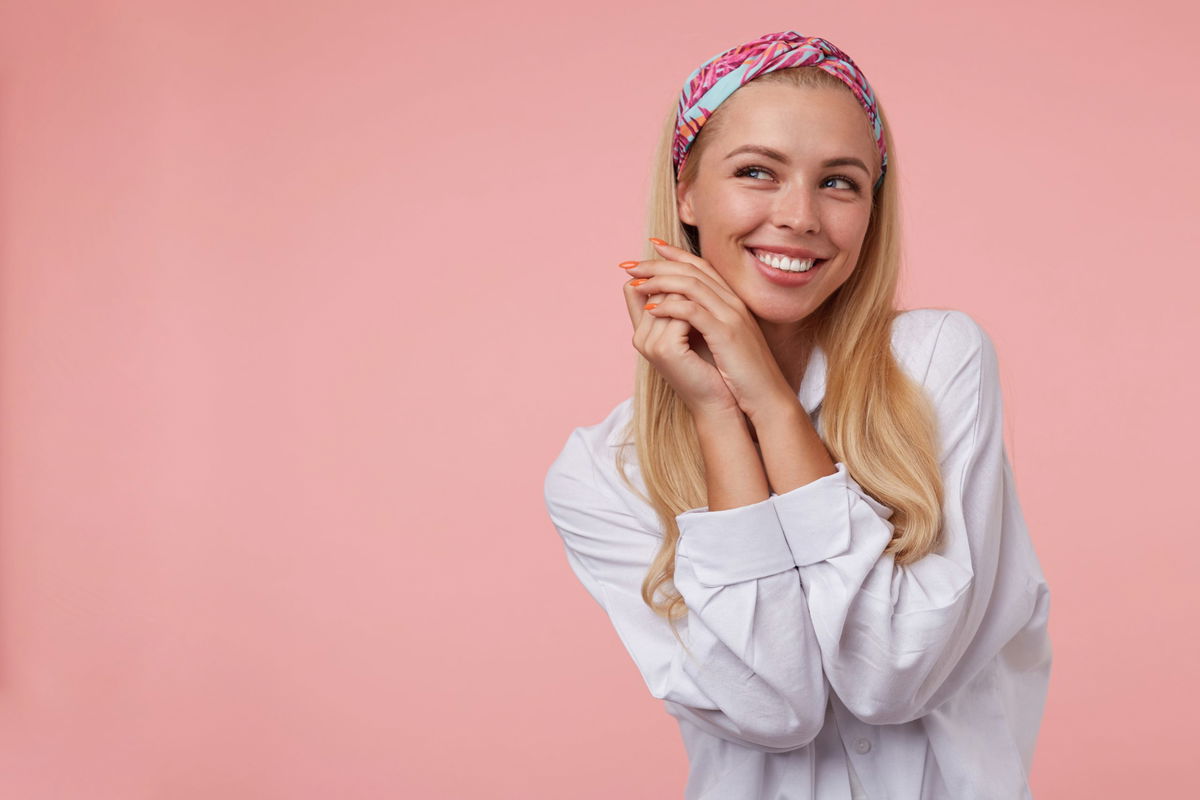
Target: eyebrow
[(770, 152)]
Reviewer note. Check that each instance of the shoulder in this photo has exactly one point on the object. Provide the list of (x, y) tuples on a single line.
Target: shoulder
[(954, 359), (941, 347), (583, 483), (590, 443), (589, 454)]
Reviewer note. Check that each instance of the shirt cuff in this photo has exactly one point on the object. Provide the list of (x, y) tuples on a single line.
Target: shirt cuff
[(815, 517), (733, 544)]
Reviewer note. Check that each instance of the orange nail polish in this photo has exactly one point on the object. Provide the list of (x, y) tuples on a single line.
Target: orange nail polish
[(657, 241), (649, 306), (628, 264), (640, 281)]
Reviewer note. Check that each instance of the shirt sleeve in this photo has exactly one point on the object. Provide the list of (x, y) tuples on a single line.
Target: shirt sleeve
[(754, 673), (897, 641)]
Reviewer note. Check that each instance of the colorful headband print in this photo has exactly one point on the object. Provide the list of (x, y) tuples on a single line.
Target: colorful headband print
[(716, 79)]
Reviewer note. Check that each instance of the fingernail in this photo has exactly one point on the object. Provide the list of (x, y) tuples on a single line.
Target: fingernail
[(640, 281), (628, 264), (657, 241), (649, 306)]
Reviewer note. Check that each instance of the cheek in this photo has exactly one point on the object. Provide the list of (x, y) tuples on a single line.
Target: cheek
[(848, 228), (740, 207)]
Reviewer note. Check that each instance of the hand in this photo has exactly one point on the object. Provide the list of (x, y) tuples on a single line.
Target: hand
[(678, 352), (694, 299)]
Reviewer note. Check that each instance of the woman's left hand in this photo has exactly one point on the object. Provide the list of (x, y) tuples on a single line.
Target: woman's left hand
[(730, 331)]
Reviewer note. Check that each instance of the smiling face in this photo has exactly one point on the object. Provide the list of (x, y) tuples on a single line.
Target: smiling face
[(795, 198)]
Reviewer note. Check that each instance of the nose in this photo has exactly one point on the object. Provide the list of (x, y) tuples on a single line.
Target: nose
[(797, 209)]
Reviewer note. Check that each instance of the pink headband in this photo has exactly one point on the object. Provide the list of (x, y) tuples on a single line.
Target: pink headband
[(716, 79)]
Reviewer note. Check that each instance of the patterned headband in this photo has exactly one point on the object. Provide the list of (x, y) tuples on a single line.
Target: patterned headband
[(716, 79)]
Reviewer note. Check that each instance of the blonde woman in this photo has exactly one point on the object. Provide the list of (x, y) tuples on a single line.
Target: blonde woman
[(803, 523)]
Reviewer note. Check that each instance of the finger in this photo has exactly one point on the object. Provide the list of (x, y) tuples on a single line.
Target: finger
[(694, 288), (648, 336), (660, 328), (665, 332), (635, 300), (673, 253), (683, 262), (696, 316), (647, 278)]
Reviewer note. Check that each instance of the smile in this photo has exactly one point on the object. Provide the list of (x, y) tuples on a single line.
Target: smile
[(784, 271), (783, 262)]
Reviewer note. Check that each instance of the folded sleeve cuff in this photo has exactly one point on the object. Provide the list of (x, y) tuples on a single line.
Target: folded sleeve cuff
[(815, 517), (733, 544)]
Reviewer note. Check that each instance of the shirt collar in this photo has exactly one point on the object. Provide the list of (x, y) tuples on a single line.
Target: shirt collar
[(812, 385)]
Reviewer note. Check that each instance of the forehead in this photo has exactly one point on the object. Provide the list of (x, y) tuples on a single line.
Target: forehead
[(798, 120)]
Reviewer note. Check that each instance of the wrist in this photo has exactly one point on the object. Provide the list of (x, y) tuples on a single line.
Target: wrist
[(718, 418), (782, 410)]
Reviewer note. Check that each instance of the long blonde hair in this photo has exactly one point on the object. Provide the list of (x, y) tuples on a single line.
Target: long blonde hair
[(875, 419)]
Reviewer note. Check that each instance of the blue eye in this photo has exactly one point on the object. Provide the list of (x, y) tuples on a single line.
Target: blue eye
[(745, 170), (851, 181)]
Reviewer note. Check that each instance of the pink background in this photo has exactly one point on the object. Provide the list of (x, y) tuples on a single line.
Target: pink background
[(301, 299)]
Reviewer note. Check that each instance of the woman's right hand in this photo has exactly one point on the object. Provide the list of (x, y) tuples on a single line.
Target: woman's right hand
[(680, 355)]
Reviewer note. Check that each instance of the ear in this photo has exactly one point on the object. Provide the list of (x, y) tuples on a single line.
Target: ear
[(683, 202)]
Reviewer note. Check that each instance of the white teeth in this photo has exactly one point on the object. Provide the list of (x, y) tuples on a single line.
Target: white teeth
[(783, 262)]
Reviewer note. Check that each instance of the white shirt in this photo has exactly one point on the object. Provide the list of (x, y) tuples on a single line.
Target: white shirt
[(819, 661)]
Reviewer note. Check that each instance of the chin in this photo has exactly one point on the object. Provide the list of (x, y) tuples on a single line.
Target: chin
[(779, 316)]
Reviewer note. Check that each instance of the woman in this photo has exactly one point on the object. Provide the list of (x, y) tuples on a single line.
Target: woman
[(815, 553)]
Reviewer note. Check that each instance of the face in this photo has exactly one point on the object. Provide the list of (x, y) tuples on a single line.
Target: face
[(789, 200)]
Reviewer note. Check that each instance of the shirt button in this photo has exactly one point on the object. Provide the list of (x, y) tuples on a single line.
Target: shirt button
[(862, 745)]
